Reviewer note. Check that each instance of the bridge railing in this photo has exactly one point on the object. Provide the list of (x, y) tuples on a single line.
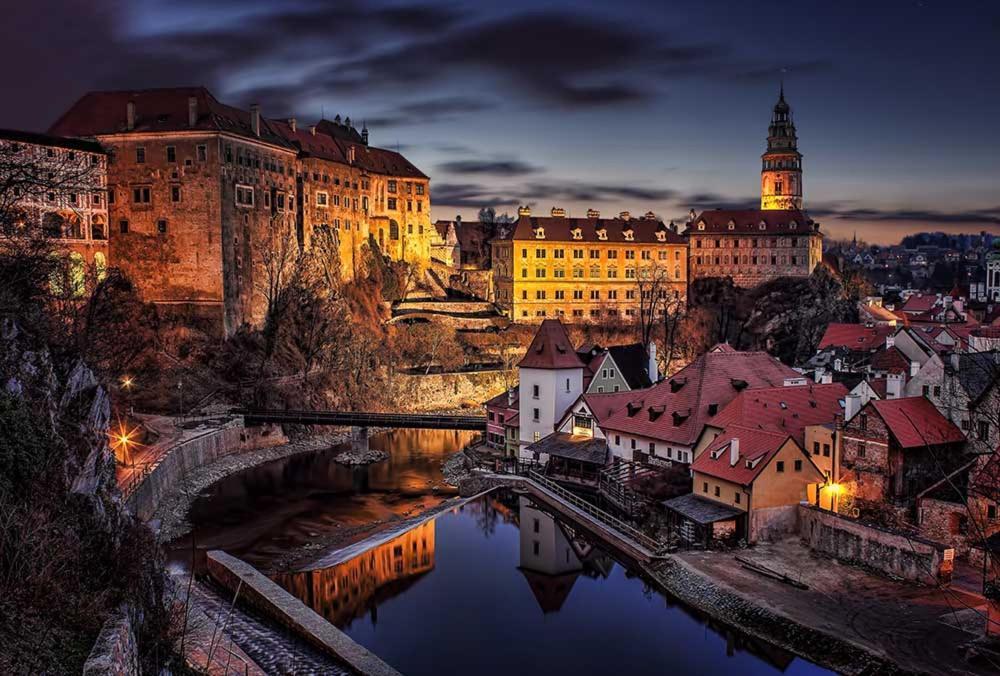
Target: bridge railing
[(627, 530)]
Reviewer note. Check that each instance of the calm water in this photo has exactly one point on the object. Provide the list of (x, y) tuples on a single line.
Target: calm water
[(263, 512), (501, 587)]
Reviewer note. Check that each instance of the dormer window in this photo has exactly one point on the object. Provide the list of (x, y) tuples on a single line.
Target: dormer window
[(732, 225), (762, 225), (602, 234), (677, 383), (539, 233), (701, 225), (577, 233), (793, 225), (629, 234), (633, 407), (661, 236)]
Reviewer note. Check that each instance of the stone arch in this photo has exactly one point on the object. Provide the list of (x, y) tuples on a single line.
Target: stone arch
[(53, 224)]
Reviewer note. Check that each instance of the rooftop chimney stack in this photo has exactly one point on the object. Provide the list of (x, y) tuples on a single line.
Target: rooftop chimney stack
[(347, 122), (364, 133), (593, 213), (692, 215), (292, 124), (624, 215), (524, 211), (558, 212), (130, 116), (192, 111), (312, 129), (852, 404), (734, 452), (654, 371), (255, 119)]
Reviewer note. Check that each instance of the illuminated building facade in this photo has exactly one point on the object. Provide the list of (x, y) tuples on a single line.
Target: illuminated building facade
[(587, 269), (781, 164)]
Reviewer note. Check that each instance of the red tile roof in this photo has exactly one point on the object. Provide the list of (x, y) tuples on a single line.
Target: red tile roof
[(914, 422), (883, 314), (756, 449), (919, 303), (158, 110), (855, 337), (891, 360), (787, 410), (317, 145), (560, 229), (748, 221), (551, 349), (332, 142), (676, 410)]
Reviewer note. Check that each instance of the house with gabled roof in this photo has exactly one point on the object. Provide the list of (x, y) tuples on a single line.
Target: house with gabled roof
[(619, 368), (747, 485)]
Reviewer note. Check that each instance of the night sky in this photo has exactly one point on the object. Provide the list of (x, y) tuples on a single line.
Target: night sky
[(632, 105)]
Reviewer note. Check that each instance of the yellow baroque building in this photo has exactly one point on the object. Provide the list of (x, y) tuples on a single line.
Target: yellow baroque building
[(588, 269)]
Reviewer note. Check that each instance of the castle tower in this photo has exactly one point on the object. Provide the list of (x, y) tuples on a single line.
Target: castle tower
[(781, 166)]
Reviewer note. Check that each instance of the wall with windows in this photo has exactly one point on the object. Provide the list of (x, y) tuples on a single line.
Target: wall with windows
[(754, 259)]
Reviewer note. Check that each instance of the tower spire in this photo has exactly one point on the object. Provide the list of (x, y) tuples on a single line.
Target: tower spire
[(781, 164)]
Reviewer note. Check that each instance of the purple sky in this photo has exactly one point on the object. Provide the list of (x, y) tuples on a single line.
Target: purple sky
[(633, 105)]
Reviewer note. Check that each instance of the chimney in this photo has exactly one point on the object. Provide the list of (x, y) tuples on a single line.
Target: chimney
[(593, 213), (673, 226), (852, 404), (692, 215), (364, 133), (347, 122), (649, 216), (818, 376), (914, 368), (558, 212), (312, 129), (510, 397), (827, 379), (890, 340), (192, 111), (255, 119), (130, 115), (734, 452), (292, 124), (956, 363), (654, 372), (894, 385), (524, 211), (624, 216)]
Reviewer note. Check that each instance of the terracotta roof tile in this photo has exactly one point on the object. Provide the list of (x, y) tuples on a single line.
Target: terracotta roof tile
[(856, 337), (747, 221), (914, 422), (676, 410), (756, 449), (551, 349), (560, 229), (787, 410)]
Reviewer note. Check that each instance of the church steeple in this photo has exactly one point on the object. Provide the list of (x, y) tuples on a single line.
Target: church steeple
[(781, 164)]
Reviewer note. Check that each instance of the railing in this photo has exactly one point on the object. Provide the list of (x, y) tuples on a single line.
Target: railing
[(614, 484), (629, 532), (365, 419), (134, 481)]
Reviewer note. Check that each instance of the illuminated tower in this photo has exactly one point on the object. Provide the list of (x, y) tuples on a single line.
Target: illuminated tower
[(781, 166)]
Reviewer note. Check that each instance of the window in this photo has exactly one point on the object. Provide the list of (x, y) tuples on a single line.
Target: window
[(534, 547), (535, 415), (202, 153), (737, 497), (567, 384), (984, 430), (652, 448), (633, 444), (798, 465), (175, 193), (322, 199), (420, 188), (826, 450), (781, 466), (391, 204), (861, 450), (161, 226), (141, 194), (704, 487), (718, 492), (534, 391), (244, 196), (123, 227), (140, 155), (991, 512), (171, 154), (391, 187), (618, 440), (536, 525)]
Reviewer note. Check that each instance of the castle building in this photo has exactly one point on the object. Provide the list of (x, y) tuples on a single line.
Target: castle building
[(587, 269), (781, 163), (60, 187), (753, 246), (201, 195)]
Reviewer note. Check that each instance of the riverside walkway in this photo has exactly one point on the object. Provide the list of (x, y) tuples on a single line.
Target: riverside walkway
[(364, 419)]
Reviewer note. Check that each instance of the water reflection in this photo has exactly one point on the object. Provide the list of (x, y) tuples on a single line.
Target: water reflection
[(262, 513), (501, 586)]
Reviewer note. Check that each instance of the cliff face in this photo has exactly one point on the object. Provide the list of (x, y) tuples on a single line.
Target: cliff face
[(70, 555)]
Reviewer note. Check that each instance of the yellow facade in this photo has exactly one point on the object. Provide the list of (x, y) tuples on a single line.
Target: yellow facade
[(587, 281)]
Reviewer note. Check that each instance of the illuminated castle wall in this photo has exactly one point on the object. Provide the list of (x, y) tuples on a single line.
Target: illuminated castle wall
[(781, 164)]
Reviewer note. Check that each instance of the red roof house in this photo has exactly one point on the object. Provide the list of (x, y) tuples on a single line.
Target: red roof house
[(855, 337)]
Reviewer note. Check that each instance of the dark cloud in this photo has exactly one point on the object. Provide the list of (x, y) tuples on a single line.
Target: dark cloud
[(549, 193), (989, 216), (492, 167), (428, 111), (469, 196)]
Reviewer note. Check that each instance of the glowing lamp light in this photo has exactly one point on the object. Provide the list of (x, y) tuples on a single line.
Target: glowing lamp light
[(127, 382), (834, 489)]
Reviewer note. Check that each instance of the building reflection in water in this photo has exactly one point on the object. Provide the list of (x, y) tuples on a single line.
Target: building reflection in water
[(554, 555), (349, 590)]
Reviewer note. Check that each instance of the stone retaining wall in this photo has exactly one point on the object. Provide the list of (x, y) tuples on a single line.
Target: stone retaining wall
[(448, 390), (900, 554), (262, 594), (115, 653), (194, 453)]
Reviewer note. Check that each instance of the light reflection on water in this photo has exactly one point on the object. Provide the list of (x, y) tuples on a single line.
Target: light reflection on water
[(500, 586)]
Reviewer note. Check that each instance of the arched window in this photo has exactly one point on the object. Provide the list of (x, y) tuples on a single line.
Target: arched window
[(75, 227), (98, 228), (393, 230)]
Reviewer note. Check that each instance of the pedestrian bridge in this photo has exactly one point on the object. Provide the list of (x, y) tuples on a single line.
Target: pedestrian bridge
[(364, 420)]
